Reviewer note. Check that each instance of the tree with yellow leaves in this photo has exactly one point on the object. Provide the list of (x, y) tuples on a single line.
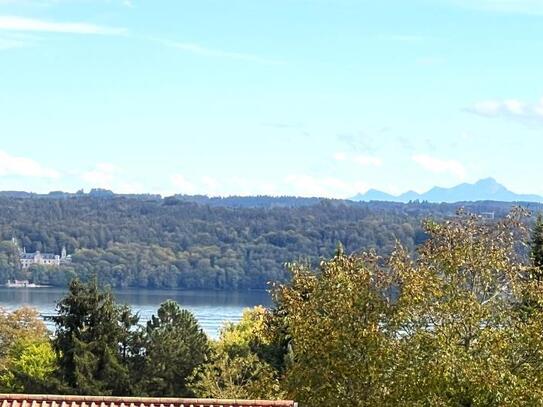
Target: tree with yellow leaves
[(445, 328), (27, 359)]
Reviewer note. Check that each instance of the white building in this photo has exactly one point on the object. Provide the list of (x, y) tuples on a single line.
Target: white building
[(44, 259)]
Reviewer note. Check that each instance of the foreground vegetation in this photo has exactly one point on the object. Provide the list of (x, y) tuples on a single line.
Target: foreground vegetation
[(459, 324), (173, 243)]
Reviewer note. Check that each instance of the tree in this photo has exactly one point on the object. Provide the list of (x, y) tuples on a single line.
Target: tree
[(20, 324), (31, 366), (444, 328), (26, 357), (463, 341), (240, 363), (334, 319), (536, 245), (90, 332), (173, 345)]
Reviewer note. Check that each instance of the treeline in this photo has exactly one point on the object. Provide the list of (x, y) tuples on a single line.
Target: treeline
[(460, 324), (178, 243)]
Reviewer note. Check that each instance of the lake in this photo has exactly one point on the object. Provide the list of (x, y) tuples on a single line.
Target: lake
[(211, 308)]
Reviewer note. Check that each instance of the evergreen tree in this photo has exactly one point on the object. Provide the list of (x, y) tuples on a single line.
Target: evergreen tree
[(174, 346), (91, 336)]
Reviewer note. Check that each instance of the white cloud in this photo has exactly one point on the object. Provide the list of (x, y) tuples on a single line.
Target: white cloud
[(311, 186), (210, 184), (360, 159), (339, 156), (367, 160), (129, 187), (511, 109), (13, 23), (25, 167), (438, 165), (198, 49), (182, 185), (294, 184), (101, 176), (109, 176)]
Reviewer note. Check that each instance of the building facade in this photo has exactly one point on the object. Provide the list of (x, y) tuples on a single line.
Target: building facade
[(44, 259)]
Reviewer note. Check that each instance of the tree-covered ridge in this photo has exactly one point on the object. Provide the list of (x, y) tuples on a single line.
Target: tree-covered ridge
[(174, 243)]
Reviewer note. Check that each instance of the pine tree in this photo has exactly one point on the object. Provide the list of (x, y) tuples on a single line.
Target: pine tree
[(174, 346), (90, 332)]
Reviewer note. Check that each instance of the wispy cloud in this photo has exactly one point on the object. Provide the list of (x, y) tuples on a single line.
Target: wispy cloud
[(13, 23), (11, 40), (309, 185), (24, 167), (101, 176), (109, 176), (438, 165), (207, 185), (513, 109), (198, 49), (9, 43), (182, 184)]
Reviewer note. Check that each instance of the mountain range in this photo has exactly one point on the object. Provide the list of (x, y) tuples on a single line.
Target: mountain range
[(487, 189)]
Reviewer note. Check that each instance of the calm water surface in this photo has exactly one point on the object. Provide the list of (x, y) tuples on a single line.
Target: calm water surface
[(211, 308)]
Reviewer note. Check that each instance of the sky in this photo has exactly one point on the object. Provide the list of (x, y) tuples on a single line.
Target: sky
[(283, 97)]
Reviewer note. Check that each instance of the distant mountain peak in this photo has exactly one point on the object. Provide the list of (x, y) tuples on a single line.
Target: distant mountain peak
[(488, 182), (486, 189)]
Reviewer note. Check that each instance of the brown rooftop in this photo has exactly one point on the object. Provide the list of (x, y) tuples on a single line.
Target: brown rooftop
[(26, 400)]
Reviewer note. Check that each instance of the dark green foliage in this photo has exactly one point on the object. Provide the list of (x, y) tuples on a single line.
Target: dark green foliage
[(215, 243), (103, 351), (91, 329), (9, 269), (536, 245), (174, 345)]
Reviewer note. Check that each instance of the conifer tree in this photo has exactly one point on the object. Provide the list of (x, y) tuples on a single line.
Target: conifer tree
[(174, 346), (90, 331)]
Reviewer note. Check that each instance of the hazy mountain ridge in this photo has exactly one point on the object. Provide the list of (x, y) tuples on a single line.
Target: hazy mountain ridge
[(487, 189)]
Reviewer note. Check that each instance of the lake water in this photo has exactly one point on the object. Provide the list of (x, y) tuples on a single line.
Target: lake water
[(211, 308)]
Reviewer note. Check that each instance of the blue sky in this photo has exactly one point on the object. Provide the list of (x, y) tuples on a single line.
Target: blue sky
[(297, 97)]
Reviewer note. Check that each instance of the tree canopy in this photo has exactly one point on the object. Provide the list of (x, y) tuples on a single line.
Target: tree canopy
[(459, 323), (173, 243)]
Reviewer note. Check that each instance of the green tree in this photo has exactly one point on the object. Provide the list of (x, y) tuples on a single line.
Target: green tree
[(173, 345), (238, 367), (90, 332), (441, 329), (334, 319), (536, 245), (31, 366), (463, 341), (26, 358)]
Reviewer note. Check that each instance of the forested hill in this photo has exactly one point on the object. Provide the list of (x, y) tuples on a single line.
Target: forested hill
[(197, 242)]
